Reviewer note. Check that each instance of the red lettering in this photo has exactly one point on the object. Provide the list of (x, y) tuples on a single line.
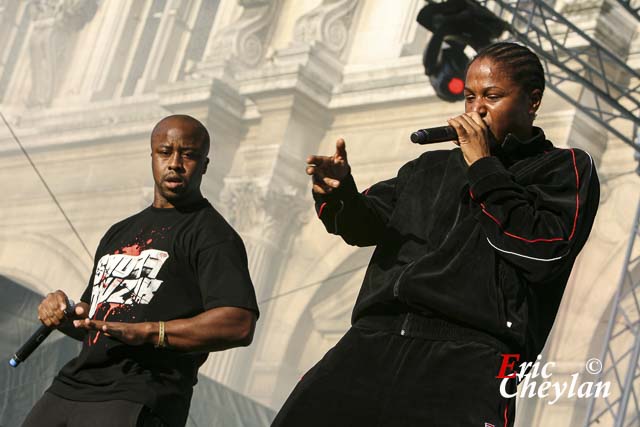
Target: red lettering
[(506, 364)]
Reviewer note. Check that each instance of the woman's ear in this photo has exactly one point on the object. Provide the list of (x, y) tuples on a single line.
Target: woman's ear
[(535, 98)]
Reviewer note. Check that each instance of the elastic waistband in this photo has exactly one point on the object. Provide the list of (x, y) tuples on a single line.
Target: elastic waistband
[(417, 326)]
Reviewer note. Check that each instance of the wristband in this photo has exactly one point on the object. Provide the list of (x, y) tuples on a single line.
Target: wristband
[(161, 342)]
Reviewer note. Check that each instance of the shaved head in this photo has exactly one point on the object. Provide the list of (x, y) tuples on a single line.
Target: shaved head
[(179, 148), (183, 124)]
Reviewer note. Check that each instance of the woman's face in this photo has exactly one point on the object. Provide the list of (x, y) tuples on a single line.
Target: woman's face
[(503, 104)]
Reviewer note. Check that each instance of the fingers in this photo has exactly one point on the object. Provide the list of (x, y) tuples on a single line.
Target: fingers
[(468, 127), (321, 174), (125, 332), (318, 161), (90, 325), (323, 184), (473, 136), (327, 172), (51, 309), (319, 177), (477, 118), (320, 189), (341, 151), (61, 299), (81, 310)]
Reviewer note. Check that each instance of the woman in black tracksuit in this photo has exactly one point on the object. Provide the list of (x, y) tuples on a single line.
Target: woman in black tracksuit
[(474, 247)]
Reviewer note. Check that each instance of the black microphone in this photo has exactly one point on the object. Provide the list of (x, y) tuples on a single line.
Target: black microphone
[(36, 339), (433, 135)]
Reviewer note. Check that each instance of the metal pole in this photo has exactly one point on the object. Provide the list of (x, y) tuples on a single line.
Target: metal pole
[(614, 310)]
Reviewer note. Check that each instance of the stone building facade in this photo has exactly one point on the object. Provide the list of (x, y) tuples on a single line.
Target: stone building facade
[(82, 82)]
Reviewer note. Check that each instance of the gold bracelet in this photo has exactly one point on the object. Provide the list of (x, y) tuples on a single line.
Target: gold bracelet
[(161, 342)]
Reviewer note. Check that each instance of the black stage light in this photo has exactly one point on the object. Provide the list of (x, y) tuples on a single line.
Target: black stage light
[(455, 24)]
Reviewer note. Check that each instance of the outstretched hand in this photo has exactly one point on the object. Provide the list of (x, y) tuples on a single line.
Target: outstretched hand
[(128, 333), (327, 172)]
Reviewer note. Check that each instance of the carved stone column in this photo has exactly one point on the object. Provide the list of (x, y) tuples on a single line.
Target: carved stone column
[(282, 106), (291, 94), (214, 88), (265, 217), (219, 105)]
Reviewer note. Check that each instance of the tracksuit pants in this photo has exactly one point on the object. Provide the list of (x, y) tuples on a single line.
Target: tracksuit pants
[(403, 370)]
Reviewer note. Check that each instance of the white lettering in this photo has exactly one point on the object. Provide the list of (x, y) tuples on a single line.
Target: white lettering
[(127, 279), (544, 372), (599, 386), (574, 379), (558, 391), (543, 388), (503, 389)]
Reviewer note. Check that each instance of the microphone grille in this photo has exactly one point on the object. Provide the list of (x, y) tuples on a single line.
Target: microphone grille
[(418, 136)]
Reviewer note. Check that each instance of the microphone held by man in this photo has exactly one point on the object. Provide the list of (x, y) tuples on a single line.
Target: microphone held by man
[(54, 312)]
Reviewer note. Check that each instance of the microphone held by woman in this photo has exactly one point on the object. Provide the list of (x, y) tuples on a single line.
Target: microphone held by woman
[(434, 135)]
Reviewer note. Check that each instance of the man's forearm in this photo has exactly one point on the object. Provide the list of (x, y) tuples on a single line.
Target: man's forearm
[(214, 330)]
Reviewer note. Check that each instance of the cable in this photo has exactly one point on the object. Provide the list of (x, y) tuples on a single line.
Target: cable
[(55, 200), (308, 285)]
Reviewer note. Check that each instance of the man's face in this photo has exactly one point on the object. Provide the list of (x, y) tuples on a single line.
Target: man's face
[(503, 105), (178, 161)]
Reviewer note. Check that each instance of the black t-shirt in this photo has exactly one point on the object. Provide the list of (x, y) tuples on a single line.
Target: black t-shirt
[(160, 264)]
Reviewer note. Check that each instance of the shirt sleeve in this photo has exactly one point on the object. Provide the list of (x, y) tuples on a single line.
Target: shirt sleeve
[(223, 276), (542, 222), (360, 218)]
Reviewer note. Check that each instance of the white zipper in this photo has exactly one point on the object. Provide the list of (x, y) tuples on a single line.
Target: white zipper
[(403, 328)]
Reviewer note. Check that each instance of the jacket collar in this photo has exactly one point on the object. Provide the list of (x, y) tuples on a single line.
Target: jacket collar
[(513, 149)]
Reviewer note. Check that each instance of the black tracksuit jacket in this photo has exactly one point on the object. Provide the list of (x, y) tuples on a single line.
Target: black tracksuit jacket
[(488, 247)]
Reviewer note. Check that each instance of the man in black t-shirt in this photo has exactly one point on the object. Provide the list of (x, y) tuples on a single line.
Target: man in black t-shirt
[(169, 285)]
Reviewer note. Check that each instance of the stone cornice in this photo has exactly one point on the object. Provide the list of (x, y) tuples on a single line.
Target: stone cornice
[(216, 92), (309, 69), (400, 81), (312, 71), (95, 122)]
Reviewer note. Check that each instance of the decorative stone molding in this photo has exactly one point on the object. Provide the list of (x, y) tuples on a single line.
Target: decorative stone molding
[(92, 118), (244, 41), (250, 206), (328, 23), (285, 208), (241, 202), (268, 220), (54, 22)]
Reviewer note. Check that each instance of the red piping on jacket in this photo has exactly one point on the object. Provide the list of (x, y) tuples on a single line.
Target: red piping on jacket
[(321, 209), (551, 239), (506, 420)]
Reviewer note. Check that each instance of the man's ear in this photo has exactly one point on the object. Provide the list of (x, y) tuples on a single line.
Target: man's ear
[(206, 163), (535, 98)]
